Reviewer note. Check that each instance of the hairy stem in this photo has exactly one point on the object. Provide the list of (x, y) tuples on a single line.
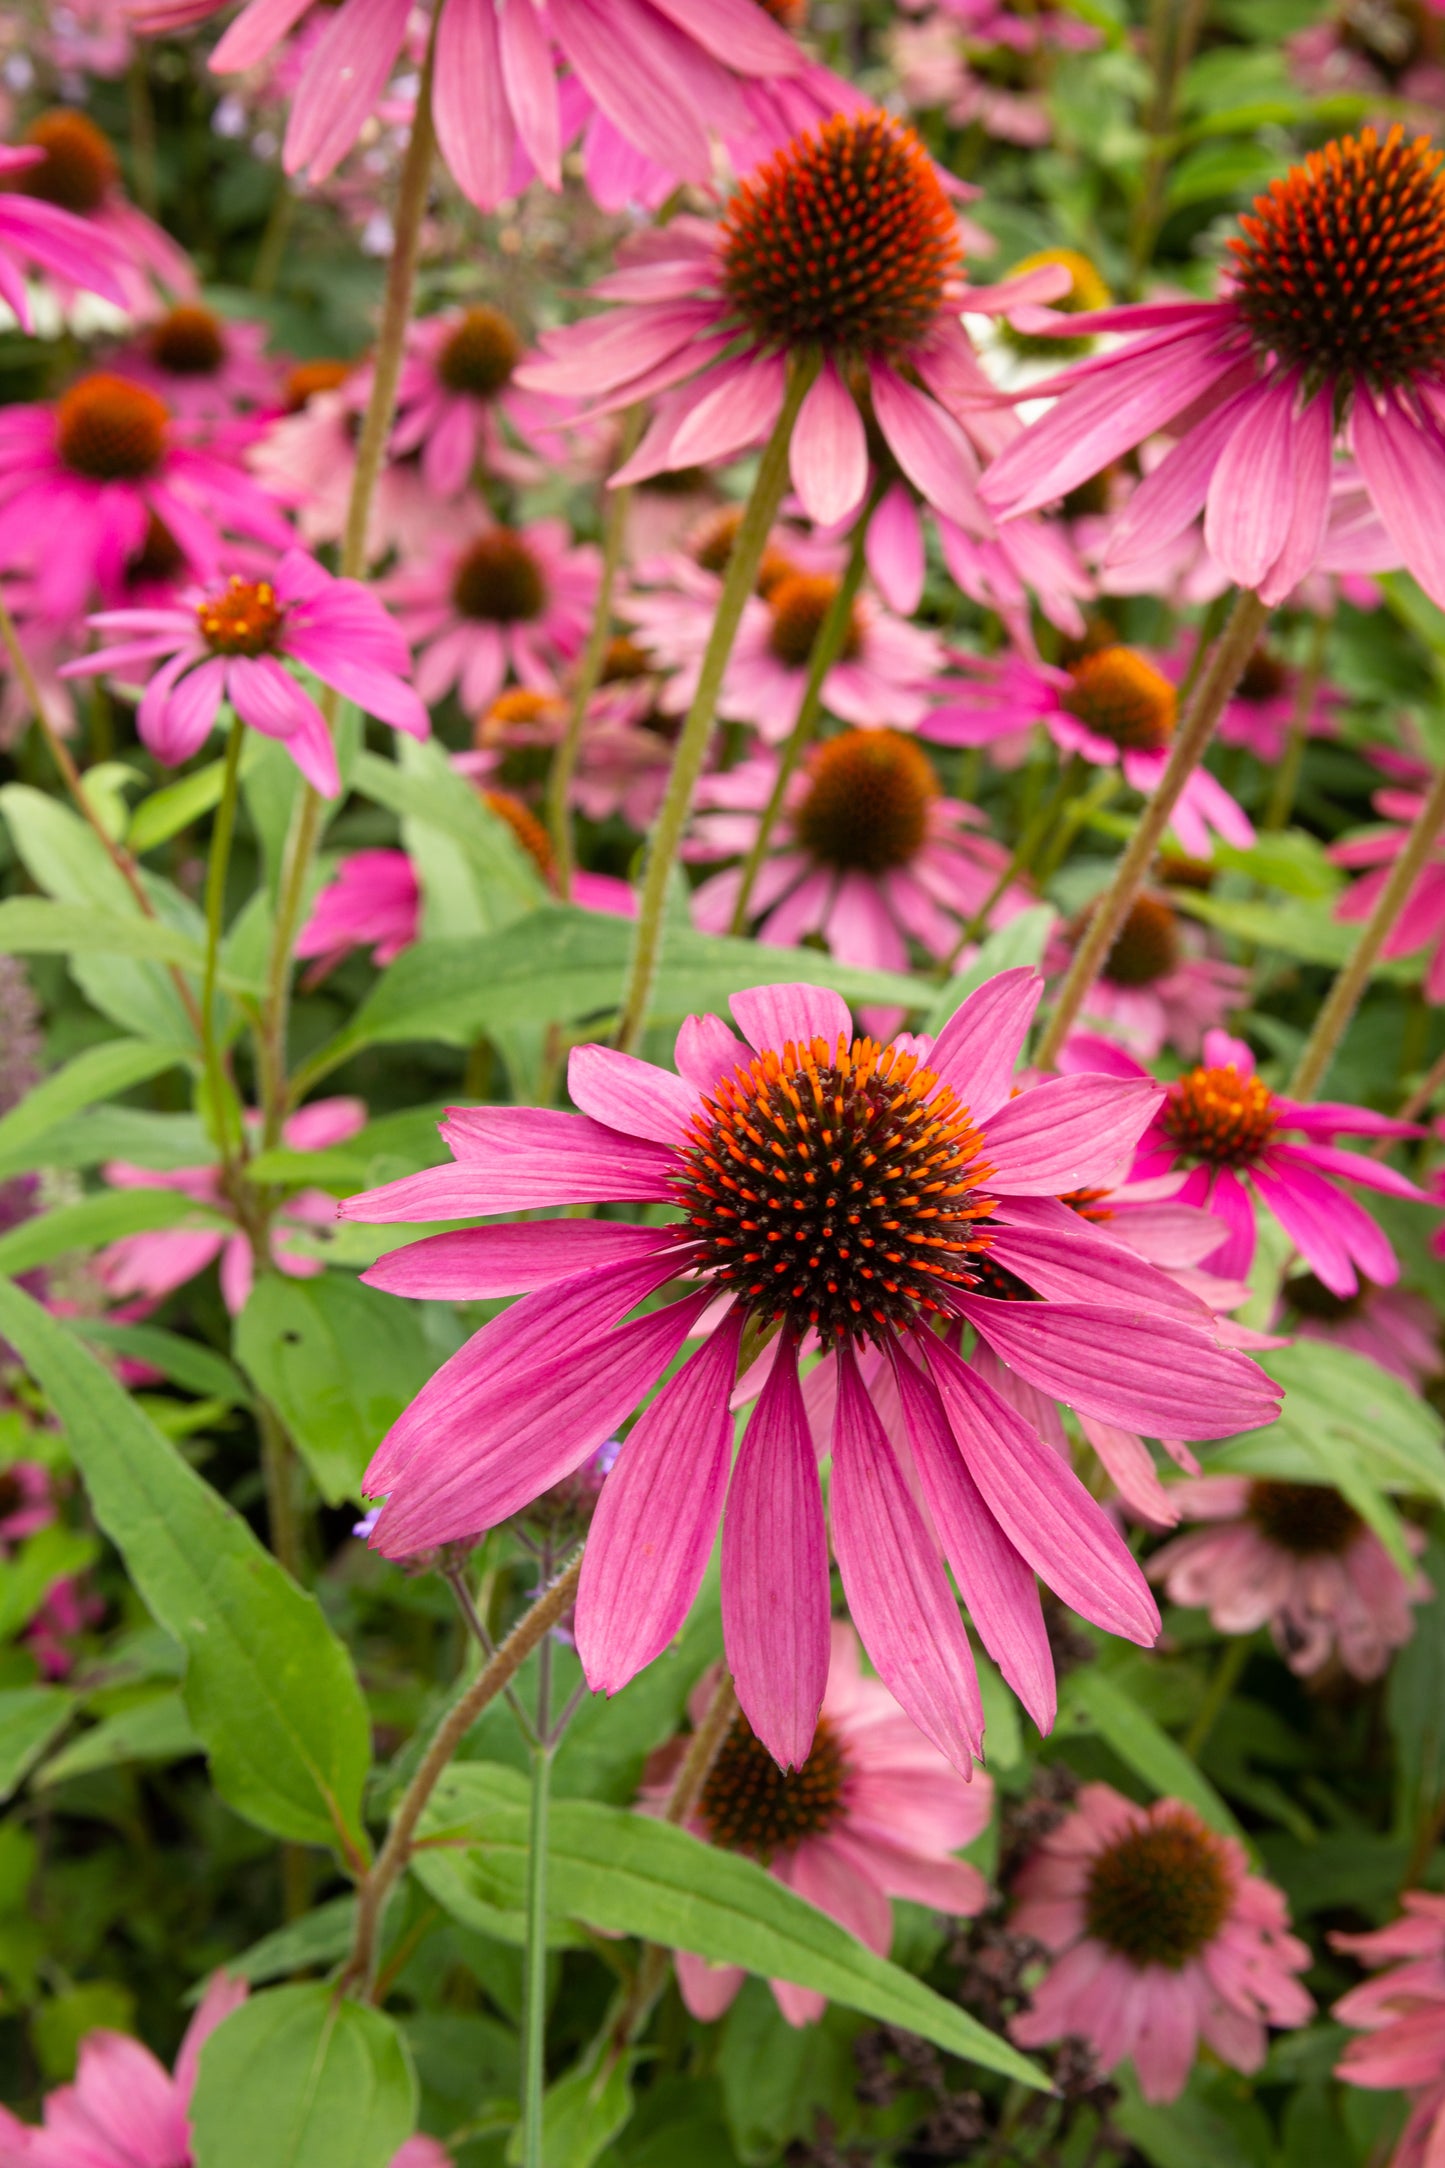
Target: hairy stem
[(1216, 682), (1345, 995), (827, 646), (692, 745)]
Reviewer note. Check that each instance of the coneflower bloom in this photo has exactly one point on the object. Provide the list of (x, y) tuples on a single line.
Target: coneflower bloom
[(1390, 1326), (1421, 920), (233, 643), (1161, 1939), (47, 238), (1294, 1557), (1260, 713), (869, 854), (82, 480), (306, 458), (874, 1812), (1400, 2017), (456, 385), (917, 1145), (666, 77), (206, 367), (980, 64), (482, 601), (152, 1265), (1158, 986), (78, 172), (1113, 708), (844, 243), (1332, 326), (1222, 1131)]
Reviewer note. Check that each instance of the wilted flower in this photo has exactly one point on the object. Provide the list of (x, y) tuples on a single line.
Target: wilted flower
[(1401, 2017)]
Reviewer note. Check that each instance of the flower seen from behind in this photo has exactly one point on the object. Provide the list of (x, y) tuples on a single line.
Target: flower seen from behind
[(1400, 2019)]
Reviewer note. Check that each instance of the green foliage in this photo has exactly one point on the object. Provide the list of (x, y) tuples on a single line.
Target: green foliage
[(299, 2079)]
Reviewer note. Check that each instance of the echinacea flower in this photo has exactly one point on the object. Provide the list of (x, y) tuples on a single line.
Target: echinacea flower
[(874, 1812), (1262, 710), (79, 173), (1161, 1938), (154, 1264), (981, 64), (1220, 1129), (82, 479), (1332, 325), (233, 644), (665, 77), (868, 853), (1294, 1557), (306, 457), (1420, 923), (1401, 2019), (918, 1143), (126, 2110), (456, 385), (1387, 1325), (482, 601), (1158, 986), (1112, 708), (47, 237), (205, 366)]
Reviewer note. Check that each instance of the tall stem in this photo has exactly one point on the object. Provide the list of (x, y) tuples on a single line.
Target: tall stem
[(216, 870), (278, 1470), (534, 1994), (589, 669), (391, 1861), (1350, 982), (1287, 774), (827, 646), (1216, 682), (692, 745)]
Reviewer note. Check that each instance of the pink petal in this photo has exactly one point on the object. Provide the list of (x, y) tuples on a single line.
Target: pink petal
[(476, 1264), (895, 552), (1403, 466), (773, 1015), (630, 1095), (929, 446), (514, 1159), (828, 453), (979, 1046), (1070, 1132)]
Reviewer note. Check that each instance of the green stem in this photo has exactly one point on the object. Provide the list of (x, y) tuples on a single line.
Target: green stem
[(692, 745), (1216, 682), (1105, 785), (1345, 995), (827, 646), (1222, 1681), (216, 870), (534, 1993), (272, 246), (278, 1469), (1287, 774), (1025, 851), (144, 177), (589, 669)]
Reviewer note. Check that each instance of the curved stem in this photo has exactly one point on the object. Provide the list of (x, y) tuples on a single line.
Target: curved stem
[(692, 745), (1216, 682), (589, 669), (391, 1861), (827, 646), (216, 870), (1350, 982)]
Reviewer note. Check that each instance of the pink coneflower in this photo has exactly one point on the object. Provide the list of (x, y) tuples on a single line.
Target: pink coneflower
[(869, 854), (1387, 1325), (232, 644), (1158, 986), (922, 1144), (307, 458), (206, 367), (1161, 1938), (1261, 711), (980, 63), (874, 1812), (51, 1635), (48, 238), (81, 481), (1421, 921), (126, 2110), (1222, 1123), (1335, 314), (1401, 2016), (1296, 1558), (625, 753), (483, 600), (153, 1265), (456, 385), (665, 77), (1112, 707), (79, 172)]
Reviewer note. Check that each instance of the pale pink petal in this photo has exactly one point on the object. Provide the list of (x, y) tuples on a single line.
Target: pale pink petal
[(978, 1048), (631, 1095), (773, 1015), (828, 451)]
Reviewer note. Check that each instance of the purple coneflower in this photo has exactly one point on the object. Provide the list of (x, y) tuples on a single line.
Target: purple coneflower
[(456, 386)]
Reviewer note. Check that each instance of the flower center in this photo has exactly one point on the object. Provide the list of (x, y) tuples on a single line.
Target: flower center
[(524, 825), (160, 556), (480, 354), (624, 662), (1220, 1116), (712, 548), (1121, 697), (834, 1187), (1307, 1519), (1146, 946), (1341, 268), (844, 239), (1311, 1298), (189, 342), (867, 802), (79, 166), (1177, 870), (1090, 1204), (1086, 291), (751, 1805), (109, 430), (499, 580), (799, 602), (518, 708), (1264, 677), (243, 619), (1160, 1894), (310, 377)]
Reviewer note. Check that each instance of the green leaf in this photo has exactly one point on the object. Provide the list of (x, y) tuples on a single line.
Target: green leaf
[(297, 2079), (30, 1717), (98, 1073), (1090, 1701), (627, 1873), (1297, 928), (479, 878), (187, 1362), (33, 926), (321, 1938), (269, 1687), (178, 805), (1021, 941), (157, 1730), (1212, 2126), (581, 2115), (338, 1362), (52, 1554), (105, 1217), (1416, 1707)]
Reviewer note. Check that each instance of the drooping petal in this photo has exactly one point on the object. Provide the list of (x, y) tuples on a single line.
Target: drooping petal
[(828, 452)]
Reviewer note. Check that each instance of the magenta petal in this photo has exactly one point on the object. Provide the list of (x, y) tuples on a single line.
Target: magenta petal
[(707, 1051), (514, 1159), (897, 1590), (653, 1531), (1071, 1132), (930, 447), (1403, 465), (1076, 1265), (630, 1095), (775, 1599), (1250, 506), (1307, 1208), (1041, 1505), (477, 1263), (828, 452), (978, 1047), (773, 1015), (1352, 1166)]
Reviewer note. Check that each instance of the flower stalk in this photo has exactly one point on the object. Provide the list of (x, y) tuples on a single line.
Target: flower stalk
[(696, 735), (1286, 776), (216, 870), (1216, 682)]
